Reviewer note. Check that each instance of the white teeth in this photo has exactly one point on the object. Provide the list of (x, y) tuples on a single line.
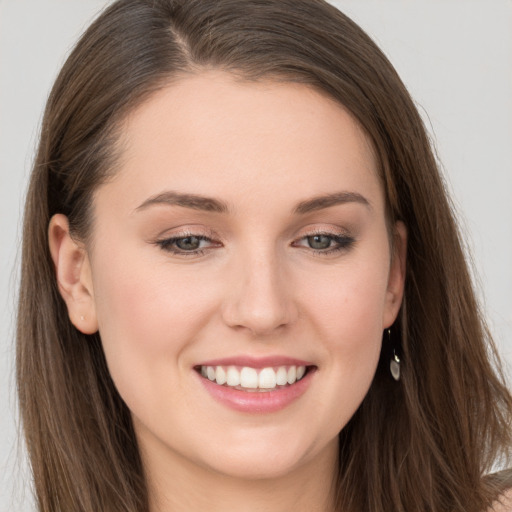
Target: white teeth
[(220, 375), (233, 377), (253, 379), (248, 377), (282, 376), (267, 378), (292, 374)]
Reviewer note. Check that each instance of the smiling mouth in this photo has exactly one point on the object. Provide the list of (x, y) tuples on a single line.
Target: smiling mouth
[(246, 378)]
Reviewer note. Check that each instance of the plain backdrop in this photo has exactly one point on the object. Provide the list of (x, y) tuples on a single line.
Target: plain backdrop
[(456, 59)]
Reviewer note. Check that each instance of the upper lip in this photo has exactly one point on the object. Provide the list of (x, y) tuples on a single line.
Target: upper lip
[(256, 362)]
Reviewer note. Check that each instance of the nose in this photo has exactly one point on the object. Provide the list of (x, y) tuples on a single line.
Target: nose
[(260, 298)]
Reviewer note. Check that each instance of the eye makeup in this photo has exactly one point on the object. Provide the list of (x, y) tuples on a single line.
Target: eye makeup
[(196, 244)]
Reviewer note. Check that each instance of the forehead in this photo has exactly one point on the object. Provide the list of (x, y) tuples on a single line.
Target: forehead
[(212, 134)]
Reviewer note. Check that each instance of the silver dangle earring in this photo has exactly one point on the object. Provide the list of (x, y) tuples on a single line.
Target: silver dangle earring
[(394, 364)]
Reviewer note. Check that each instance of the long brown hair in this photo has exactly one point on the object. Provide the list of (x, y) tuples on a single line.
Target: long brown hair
[(423, 443)]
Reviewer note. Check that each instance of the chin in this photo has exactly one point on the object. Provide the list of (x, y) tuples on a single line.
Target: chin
[(269, 460), (255, 468)]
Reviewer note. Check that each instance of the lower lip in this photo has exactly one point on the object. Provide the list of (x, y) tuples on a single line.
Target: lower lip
[(258, 401)]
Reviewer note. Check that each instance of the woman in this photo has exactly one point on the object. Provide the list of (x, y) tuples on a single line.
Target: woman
[(244, 287)]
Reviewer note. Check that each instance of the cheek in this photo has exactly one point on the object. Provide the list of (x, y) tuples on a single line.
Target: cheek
[(350, 301), (147, 316), (347, 316), (145, 302)]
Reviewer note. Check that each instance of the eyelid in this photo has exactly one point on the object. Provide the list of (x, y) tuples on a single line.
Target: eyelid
[(344, 240), (326, 231), (185, 230), (166, 241)]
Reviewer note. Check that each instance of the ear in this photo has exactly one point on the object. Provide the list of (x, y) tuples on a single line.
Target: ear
[(396, 279), (73, 272)]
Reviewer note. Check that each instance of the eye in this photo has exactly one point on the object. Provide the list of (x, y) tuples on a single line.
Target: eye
[(188, 244), (319, 242), (325, 243)]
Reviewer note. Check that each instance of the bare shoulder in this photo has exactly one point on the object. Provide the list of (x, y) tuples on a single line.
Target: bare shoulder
[(503, 503), (503, 481)]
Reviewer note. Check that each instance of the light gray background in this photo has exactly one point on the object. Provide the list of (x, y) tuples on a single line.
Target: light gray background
[(456, 59)]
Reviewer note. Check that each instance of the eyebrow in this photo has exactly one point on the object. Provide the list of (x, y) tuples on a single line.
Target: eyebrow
[(326, 201), (209, 204), (193, 201)]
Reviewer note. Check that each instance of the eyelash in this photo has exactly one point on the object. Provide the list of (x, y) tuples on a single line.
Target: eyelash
[(168, 244), (343, 243)]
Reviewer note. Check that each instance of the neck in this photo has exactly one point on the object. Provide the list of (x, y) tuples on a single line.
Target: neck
[(183, 487)]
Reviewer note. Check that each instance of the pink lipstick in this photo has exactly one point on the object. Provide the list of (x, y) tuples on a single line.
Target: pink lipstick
[(256, 385)]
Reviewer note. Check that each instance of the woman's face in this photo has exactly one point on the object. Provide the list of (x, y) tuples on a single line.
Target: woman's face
[(243, 240)]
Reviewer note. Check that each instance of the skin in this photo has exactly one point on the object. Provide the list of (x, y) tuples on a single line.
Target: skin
[(504, 503), (258, 289)]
